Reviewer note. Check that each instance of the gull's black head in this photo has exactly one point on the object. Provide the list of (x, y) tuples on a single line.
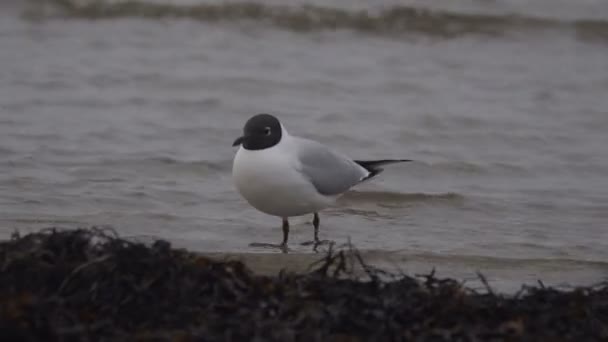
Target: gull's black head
[(260, 132)]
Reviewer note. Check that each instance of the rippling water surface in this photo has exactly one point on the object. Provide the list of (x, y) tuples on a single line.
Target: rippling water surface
[(123, 113)]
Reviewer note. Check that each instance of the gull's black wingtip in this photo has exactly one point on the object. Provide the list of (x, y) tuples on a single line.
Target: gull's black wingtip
[(373, 166), (367, 164)]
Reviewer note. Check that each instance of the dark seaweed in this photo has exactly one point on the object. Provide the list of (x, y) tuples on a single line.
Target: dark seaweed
[(91, 285)]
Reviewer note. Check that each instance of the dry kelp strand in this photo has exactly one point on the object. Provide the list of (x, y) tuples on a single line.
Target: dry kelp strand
[(92, 285)]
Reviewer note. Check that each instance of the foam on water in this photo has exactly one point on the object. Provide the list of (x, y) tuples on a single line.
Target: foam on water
[(305, 17)]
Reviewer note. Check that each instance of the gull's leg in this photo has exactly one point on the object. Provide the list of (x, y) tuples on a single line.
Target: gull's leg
[(282, 245), (315, 223), (285, 231)]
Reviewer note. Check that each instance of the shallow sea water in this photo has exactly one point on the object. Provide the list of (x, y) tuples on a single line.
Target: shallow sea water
[(124, 116)]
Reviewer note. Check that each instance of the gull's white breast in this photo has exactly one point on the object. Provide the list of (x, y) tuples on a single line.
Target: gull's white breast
[(270, 181)]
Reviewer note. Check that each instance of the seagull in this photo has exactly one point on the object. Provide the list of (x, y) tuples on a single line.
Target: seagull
[(284, 175)]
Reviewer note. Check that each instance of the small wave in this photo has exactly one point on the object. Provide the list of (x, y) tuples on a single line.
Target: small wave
[(368, 214), (395, 19), (169, 162), (5, 151), (38, 221), (489, 261), (396, 197), (461, 167)]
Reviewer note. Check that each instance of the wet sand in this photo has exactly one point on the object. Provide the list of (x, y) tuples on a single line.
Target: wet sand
[(504, 276)]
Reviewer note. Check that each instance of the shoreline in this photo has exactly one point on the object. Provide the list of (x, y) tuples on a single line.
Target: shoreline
[(503, 275)]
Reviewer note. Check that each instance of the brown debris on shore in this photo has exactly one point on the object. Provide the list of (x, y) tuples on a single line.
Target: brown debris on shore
[(91, 285)]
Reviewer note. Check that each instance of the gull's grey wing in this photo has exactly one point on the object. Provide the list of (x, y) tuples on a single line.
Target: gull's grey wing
[(330, 172)]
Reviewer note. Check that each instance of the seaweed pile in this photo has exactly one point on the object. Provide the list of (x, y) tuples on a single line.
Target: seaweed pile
[(92, 285)]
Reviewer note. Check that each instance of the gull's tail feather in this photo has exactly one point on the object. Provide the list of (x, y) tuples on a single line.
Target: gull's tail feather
[(373, 166)]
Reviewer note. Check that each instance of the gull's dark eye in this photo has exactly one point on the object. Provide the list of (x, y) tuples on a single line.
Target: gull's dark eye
[(267, 131)]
